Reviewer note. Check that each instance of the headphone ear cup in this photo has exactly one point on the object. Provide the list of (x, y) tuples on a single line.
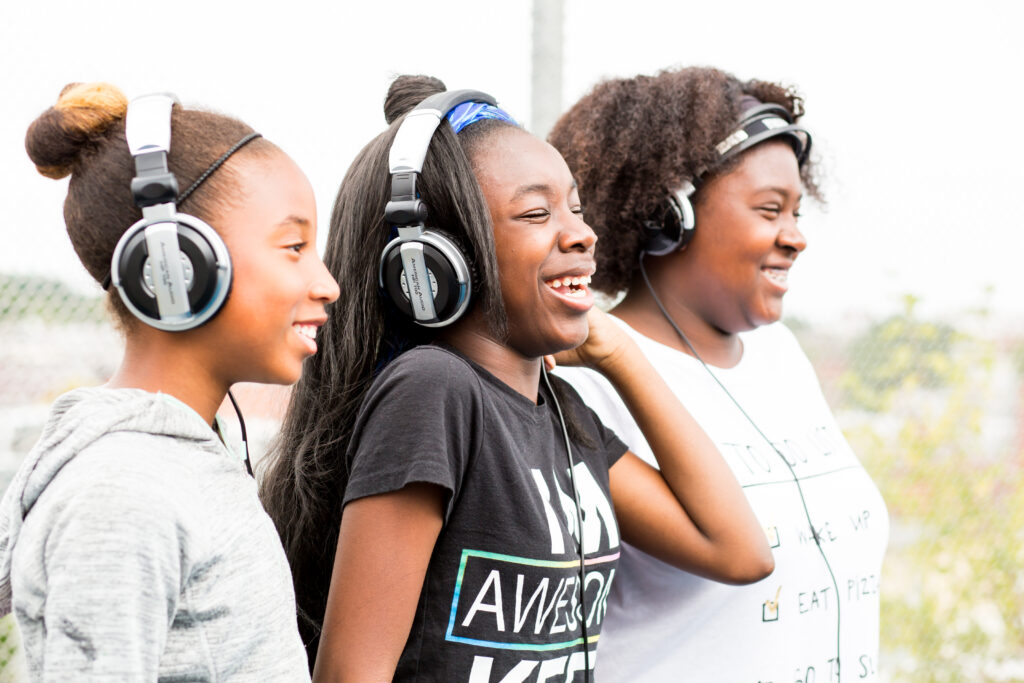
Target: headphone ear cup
[(655, 241), (449, 271), (682, 207), (671, 226), (206, 266)]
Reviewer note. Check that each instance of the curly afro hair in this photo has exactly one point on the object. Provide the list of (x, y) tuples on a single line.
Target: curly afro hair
[(630, 141)]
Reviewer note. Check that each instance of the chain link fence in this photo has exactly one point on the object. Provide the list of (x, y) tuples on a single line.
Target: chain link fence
[(933, 409)]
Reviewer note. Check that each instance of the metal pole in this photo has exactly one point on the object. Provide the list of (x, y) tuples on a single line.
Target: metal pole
[(546, 76)]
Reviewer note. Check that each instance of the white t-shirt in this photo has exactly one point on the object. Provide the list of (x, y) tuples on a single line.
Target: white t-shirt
[(664, 624)]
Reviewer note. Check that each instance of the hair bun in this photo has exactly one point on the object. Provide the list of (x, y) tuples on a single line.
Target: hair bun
[(408, 91), (84, 112)]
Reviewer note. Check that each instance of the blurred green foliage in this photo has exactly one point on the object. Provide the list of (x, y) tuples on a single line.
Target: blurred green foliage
[(938, 429), (12, 658), (899, 354)]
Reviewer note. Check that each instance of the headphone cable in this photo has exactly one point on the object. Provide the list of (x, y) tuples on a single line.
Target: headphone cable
[(579, 522), (245, 440)]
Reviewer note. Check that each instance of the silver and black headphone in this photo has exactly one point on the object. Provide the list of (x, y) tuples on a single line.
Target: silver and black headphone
[(673, 224), (172, 270), (423, 271)]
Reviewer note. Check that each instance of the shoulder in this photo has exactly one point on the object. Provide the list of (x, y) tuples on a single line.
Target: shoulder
[(89, 511), (419, 422), (123, 473), (422, 390), (427, 372), (154, 481), (430, 363)]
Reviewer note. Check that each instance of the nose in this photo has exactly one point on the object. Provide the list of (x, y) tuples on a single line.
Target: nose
[(324, 287), (576, 235), (790, 237)]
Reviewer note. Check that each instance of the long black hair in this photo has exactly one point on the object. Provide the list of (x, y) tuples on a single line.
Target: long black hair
[(304, 482)]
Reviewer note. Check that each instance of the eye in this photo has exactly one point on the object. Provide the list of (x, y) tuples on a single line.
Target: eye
[(297, 247), (771, 211), (535, 216), (578, 210)]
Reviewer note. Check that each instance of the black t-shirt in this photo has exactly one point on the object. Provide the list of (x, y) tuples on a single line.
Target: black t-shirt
[(501, 590)]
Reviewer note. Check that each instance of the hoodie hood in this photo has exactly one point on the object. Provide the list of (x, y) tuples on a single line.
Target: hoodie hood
[(77, 420)]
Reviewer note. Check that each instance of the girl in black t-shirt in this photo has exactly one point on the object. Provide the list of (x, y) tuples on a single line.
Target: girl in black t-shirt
[(421, 486)]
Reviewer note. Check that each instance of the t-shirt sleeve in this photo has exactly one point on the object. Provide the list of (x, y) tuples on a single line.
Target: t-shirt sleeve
[(607, 441), (419, 422), (113, 571)]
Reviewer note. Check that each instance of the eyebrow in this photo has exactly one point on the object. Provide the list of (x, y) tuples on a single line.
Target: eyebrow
[(299, 220), (781, 190), (289, 223), (540, 188)]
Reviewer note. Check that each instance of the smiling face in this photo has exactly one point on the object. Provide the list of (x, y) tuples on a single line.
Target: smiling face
[(280, 287), (545, 251), (734, 273)]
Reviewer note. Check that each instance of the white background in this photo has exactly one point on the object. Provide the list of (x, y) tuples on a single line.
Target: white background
[(915, 109)]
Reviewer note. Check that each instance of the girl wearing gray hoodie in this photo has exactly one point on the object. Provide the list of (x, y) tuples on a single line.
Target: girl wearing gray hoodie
[(132, 542)]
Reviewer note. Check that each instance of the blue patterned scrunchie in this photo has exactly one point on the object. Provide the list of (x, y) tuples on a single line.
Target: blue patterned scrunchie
[(471, 112)]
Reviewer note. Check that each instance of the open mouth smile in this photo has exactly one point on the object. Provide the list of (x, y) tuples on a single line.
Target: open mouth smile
[(778, 275), (307, 333), (576, 286)]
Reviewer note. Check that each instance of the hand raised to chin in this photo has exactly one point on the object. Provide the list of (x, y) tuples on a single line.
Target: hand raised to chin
[(606, 345)]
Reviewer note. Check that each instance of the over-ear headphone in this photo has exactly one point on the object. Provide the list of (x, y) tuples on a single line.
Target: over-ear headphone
[(671, 227), (673, 222), (423, 271), (172, 270)]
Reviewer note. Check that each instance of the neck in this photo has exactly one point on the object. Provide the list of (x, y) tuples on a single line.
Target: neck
[(156, 363), (515, 370), (715, 346)]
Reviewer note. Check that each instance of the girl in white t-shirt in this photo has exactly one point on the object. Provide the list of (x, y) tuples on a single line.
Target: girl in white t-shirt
[(693, 181)]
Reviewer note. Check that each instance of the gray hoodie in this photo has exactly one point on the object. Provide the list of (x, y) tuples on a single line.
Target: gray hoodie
[(133, 547)]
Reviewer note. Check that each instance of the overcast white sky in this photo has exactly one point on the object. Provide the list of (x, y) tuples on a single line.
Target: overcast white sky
[(913, 106)]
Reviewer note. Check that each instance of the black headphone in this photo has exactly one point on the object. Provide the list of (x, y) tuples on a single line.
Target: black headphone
[(172, 270), (671, 227), (673, 222), (423, 271)]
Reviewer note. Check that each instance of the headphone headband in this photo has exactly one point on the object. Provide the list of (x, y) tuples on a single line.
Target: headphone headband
[(148, 131), (412, 140), (147, 126), (761, 122)]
